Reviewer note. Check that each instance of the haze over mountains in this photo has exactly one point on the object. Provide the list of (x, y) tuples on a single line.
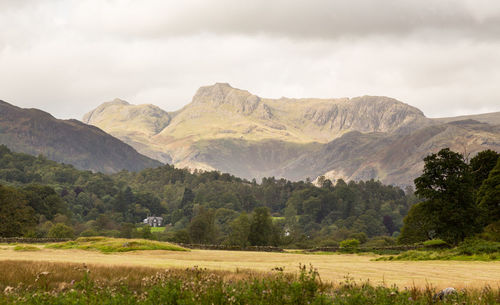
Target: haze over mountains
[(234, 131), (35, 132)]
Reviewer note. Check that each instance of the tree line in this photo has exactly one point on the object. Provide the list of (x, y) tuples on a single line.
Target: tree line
[(207, 207)]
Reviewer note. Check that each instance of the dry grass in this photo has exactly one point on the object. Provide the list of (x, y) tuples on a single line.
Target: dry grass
[(333, 268), (53, 275)]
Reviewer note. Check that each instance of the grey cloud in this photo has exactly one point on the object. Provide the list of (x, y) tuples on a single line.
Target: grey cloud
[(299, 19), (67, 57)]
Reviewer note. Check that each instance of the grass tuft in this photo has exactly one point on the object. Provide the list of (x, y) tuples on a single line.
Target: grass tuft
[(26, 248)]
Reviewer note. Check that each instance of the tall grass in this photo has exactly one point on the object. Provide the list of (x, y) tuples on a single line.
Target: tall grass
[(50, 283)]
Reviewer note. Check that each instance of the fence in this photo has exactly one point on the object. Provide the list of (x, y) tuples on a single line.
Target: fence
[(367, 249), (232, 248), (29, 240)]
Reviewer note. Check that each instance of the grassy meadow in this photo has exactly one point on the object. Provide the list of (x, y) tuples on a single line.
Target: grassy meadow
[(103, 270), (28, 282), (332, 268)]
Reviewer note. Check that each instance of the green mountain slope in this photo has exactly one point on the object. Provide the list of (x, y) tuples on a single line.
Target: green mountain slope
[(36, 132)]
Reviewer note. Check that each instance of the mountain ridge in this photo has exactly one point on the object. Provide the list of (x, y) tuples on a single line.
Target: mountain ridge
[(233, 130), (34, 131)]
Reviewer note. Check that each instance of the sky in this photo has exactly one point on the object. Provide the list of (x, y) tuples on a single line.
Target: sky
[(67, 57)]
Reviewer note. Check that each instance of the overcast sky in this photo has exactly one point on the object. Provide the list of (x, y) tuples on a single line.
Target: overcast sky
[(67, 57)]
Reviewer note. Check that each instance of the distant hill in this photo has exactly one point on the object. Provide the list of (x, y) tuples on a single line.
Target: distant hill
[(234, 131), (34, 132)]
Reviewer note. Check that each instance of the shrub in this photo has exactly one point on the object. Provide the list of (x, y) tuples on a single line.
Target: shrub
[(61, 230), (478, 246), (89, 232), (491, 232), (361, 236), (349, 245), (146, 232), (182, 236), (328, 243), (380, 241)]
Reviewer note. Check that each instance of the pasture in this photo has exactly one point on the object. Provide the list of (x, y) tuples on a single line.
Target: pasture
[(332, 268)]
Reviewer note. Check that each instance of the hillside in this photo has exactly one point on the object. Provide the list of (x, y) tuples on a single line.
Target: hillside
[(392, 158), (35, 132), (234, 131)]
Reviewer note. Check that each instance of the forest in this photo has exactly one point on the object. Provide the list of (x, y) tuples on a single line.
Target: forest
[(454, 198)]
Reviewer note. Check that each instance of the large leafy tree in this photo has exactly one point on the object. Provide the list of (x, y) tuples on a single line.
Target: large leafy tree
[(481, 166), (202, 228), (447, 184), (16, 217), (240, 230), (261, 228), (45, 201), (489, 196), (418, 224)]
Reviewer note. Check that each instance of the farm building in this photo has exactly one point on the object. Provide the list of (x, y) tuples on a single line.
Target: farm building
[(154, 221)]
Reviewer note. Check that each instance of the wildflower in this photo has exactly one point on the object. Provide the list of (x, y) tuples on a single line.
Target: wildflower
[(8, 289)]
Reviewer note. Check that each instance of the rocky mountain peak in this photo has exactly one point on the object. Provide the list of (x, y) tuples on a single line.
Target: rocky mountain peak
[(118, 101), (213, 94), (223, 94), (233, 130)]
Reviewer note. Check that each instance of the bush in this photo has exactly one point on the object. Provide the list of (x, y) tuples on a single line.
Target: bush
[(349, 245), (491, 232), (61, 230), (328, 243), (380, 241), (146, 232), (89, 232), (361, 236), (182, 236), (478, 246)]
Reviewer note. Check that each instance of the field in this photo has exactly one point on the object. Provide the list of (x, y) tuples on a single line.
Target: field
[(332, 268), (157, 229)]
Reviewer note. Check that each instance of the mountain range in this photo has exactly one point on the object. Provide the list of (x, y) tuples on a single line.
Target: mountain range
[(232, 130), (35, 132)]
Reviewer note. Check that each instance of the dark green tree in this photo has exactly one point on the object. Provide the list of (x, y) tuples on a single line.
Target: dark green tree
[(45, 201), (418, 224), (481, 166), (16, 217), (489, 196), (447, 184), (261, 228), (240, 230), (202, 229)]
